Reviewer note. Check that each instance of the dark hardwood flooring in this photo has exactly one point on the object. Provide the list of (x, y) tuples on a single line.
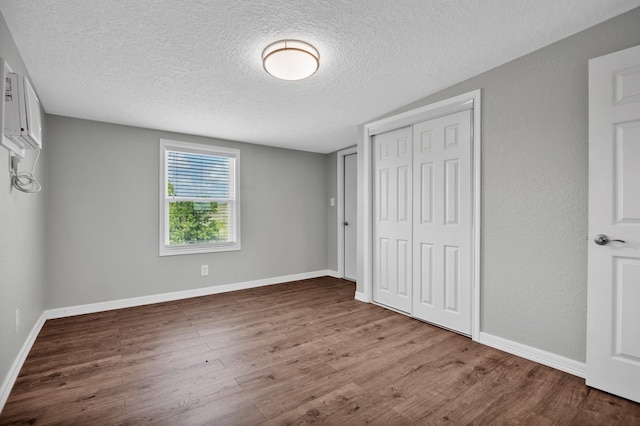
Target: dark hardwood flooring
[(295, 353)]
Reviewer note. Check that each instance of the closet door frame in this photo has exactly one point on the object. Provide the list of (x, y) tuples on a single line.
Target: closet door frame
[(467, 101)]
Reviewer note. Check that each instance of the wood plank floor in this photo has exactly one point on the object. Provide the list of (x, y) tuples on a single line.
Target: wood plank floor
[(295, 353)]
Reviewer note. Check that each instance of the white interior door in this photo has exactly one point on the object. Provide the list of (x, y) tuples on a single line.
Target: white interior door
[(442, 284), (392, 219), (350, 203), (613, 321)]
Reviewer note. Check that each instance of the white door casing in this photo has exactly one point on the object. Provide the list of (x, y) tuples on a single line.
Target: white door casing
[(340, 209), (442, 178), (392, 219), (350, 203), (613, 305)]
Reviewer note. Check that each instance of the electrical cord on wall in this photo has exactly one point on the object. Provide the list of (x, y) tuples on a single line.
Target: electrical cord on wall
[(24, 181)]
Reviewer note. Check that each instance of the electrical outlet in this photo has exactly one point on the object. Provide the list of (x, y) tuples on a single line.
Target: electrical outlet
[(16, 320), (204, 270), (332, 202)]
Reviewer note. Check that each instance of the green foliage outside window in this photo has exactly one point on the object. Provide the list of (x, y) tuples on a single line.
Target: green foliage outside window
[(195, 222)]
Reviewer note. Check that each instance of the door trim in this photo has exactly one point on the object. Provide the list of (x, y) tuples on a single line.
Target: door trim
[(340, 205), (470, 100)]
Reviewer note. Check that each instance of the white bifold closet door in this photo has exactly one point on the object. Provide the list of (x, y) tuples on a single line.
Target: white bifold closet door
[(392, 158), (442, 221), (422, 220)]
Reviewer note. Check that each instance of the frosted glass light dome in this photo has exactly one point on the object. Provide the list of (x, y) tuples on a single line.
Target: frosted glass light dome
[(290, 59)]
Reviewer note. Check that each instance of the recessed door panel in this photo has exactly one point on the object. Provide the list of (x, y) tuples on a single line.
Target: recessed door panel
[(426, 274), (403, 147), (403, 252), (451, 278), (451, 136), (383, 195), (404, 197), (627, 85), (425, 140), (627, 169), (426, 193), (451, 191), (625, 311), (385, 150), (384, 264)]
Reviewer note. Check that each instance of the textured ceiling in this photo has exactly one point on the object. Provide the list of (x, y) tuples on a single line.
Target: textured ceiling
[(195, 66)]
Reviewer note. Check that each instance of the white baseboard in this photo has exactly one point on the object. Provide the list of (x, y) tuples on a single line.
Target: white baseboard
[(178, 295), (361, 297), (13, 372), (543, 357), (333, 274)]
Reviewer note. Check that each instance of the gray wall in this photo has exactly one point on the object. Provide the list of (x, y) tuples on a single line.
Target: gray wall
[(331, 230), (534, 188), (103, 215), (22, 235)]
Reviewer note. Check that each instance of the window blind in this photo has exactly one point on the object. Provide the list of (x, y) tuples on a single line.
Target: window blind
[(193, 175)]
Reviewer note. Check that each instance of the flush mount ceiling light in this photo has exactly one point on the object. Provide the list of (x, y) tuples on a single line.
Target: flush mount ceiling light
[(290, 59)]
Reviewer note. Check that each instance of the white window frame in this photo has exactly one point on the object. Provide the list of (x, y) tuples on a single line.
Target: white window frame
[(197, 148)]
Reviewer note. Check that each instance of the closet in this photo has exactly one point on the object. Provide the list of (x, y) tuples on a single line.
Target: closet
[(422, 220)]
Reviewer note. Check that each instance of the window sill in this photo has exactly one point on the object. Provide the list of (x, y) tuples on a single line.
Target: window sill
[(197, 249)]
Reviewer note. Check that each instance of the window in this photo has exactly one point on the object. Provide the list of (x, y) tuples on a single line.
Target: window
[(199, 198)]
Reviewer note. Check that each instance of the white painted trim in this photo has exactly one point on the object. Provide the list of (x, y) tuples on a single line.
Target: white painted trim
[(361, 297), (542, 357), (178, 295), (470, 100), (365, 219), (477, 214), (332, 273), (428, 112), (340, 205), (14, 370)]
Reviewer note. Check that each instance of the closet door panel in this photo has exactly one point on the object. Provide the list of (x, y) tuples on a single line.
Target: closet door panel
[(393, 218), (442, 226)]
